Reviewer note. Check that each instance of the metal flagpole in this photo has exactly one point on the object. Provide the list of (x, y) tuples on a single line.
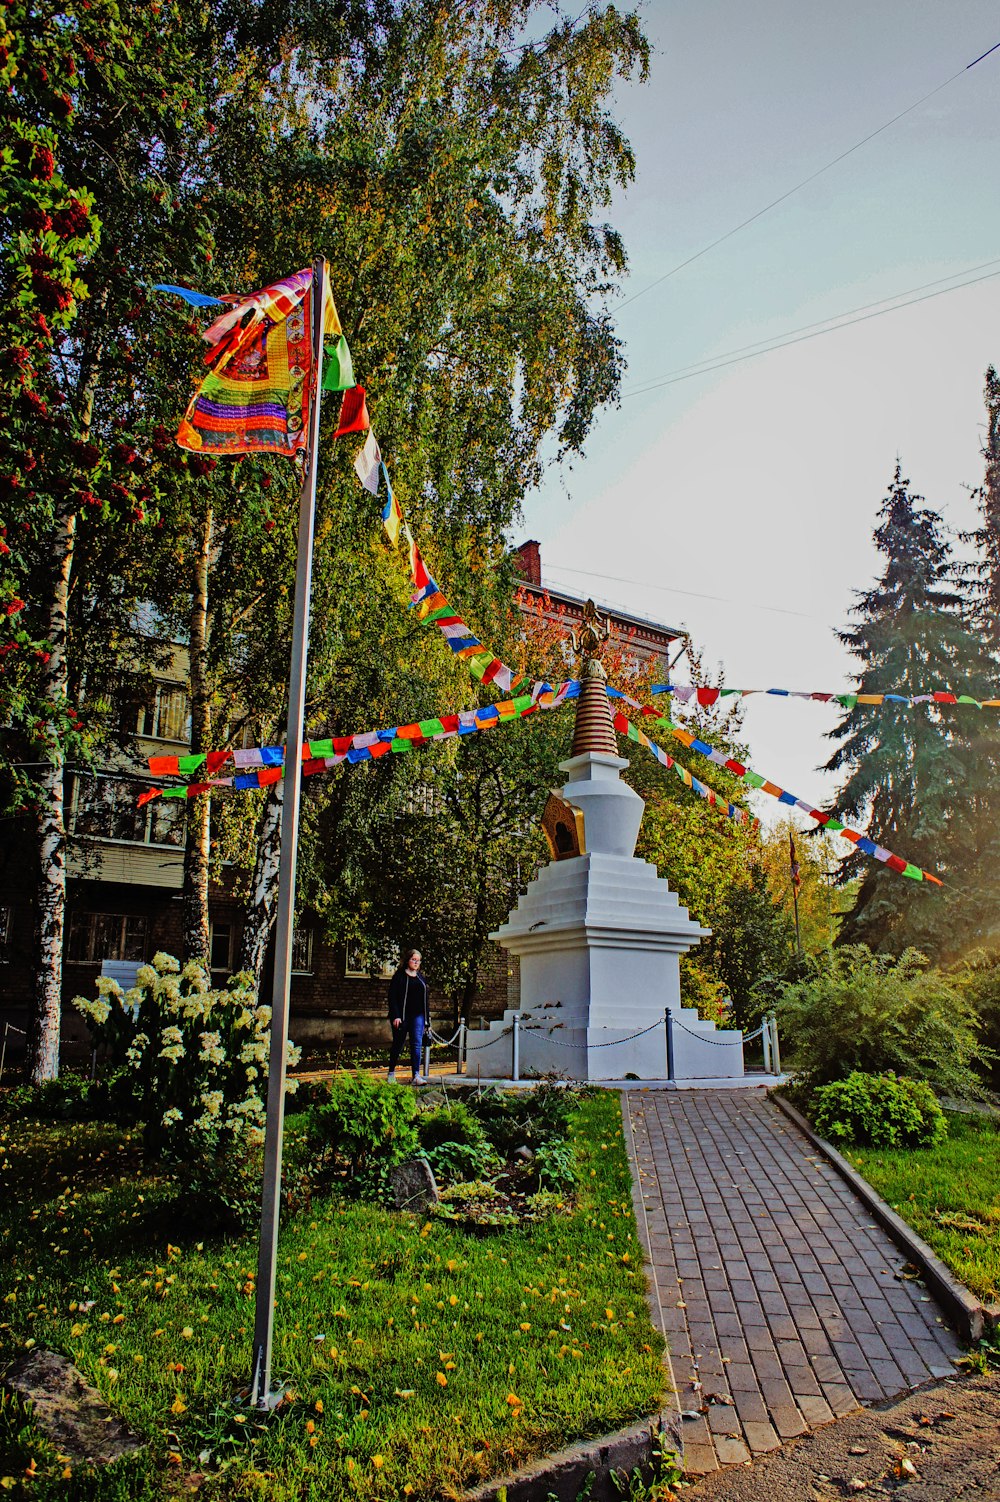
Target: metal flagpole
[(292, 782), (793, 867)]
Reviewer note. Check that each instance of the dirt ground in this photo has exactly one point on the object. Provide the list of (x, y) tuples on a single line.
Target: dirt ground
[(939, 1444)]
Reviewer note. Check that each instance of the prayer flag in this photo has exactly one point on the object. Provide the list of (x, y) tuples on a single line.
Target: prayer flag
[(255, 398), (367, 463), (196, 299), (353, 413), (338, 369), (392, 512)]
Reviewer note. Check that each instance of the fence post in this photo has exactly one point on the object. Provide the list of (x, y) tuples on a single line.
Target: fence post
[(426, 1061), (463, 1045), (668, 1022), (515, 1052), (3, 1047), (765, 1038), (775, 1050)]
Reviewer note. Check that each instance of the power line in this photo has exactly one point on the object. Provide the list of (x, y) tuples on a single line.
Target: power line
[(805, 181), (668, 589), (758, 344), (795, 336)]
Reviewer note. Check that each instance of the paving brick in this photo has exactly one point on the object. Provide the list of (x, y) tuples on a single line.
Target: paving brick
[(723, 1419), (700, 1460), (761, 1437), (788, 1421), (742, 1378), (814, 1409), (751, 1407), (731, 1451)]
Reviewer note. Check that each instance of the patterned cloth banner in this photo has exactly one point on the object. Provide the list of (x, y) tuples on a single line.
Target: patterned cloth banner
[(368, 462), (625, 727), (690, 693), (264, 764), (392, 512), (255, 398)]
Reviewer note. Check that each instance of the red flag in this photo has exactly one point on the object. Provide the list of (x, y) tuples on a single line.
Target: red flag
[(353, 413)]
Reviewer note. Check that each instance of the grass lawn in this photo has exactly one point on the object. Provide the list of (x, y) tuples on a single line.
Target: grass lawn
[(422, 1358), (950, 1194)]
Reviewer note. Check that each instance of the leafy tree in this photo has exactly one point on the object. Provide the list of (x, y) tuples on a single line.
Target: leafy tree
[(910, 770), (89, 94), (451, 178), (751, 939)]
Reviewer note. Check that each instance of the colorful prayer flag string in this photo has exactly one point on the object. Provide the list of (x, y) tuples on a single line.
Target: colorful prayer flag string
[(625, 727), (263, 765), (754, 780), (427, 597), (688, 693)]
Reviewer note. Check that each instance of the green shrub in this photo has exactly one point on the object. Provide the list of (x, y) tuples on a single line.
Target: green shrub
[(555, 1163), (452, 1122), (515, 1118), (880, 1014), (978, 977), (365, 1127), (879, 1110), (454, 1144)]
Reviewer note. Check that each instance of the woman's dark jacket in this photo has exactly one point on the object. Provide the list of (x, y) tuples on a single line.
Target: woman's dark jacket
[(408, 995)]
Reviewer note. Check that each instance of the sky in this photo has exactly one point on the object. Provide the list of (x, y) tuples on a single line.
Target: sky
[(740, 504)]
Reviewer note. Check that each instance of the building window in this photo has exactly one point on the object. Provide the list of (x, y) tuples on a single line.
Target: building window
[(167, 715), (106, 810), (94, 937), (359, 966), (222, 946), (302, 951)]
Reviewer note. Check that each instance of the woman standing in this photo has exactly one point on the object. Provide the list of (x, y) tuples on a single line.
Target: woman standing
[(409, 1014)]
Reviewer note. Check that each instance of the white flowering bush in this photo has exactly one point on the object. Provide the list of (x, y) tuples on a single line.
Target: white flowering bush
[(196, 1057)]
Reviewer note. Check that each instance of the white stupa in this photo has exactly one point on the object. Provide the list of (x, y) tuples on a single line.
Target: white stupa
[(599, 936)]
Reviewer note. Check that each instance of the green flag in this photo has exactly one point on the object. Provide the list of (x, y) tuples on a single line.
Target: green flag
[(338, 371)]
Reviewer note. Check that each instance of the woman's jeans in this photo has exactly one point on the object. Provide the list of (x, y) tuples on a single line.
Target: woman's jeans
[(412, 1027)]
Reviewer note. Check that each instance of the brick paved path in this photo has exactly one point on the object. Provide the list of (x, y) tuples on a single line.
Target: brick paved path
[(773, 1287)]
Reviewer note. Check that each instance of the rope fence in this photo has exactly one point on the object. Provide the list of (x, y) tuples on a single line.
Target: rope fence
[(612, 1044), (767, 1031)]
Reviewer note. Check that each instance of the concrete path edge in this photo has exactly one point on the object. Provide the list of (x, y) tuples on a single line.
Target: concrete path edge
[(563, 1476), (972, 1318)]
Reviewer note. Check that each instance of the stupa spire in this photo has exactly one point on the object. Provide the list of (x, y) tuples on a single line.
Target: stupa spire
[(593, 730)]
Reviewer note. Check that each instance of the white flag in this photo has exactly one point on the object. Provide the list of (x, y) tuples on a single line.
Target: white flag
[(367, 462)]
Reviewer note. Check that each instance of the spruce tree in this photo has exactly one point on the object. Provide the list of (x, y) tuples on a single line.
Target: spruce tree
[(910, 770), (986, 569)]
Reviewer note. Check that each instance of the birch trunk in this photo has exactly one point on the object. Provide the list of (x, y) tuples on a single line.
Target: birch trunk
[(50, 922), (197, 847), (263, 901)]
